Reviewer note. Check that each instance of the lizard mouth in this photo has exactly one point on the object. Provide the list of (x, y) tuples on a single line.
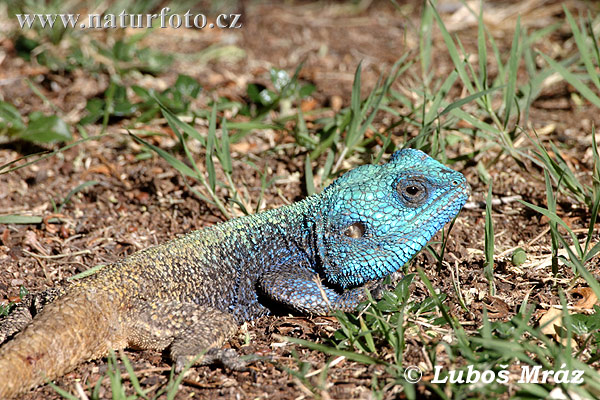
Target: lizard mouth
[(456, 201), (446, 205)]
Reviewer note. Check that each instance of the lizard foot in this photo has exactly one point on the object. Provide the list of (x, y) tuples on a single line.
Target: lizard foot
[(228, 358)]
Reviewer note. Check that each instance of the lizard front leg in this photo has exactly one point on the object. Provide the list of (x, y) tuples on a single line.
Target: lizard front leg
[(302, 290)]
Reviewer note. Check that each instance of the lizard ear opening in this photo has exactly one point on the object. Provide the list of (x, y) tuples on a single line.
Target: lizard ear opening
[(355, 231)]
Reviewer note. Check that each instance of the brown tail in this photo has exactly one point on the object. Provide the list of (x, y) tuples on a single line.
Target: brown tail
[(77, 327)]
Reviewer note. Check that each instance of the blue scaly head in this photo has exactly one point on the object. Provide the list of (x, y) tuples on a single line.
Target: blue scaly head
[(378, 216)]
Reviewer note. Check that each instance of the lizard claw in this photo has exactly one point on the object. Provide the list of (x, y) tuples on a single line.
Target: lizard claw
[(379, 287), (229, 358)]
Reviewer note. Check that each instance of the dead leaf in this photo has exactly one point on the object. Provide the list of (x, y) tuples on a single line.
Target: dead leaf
[(31, 240), (497, 308), (5, 237), (242, 147), (99, 169), (551, 321), (308, 105), (588, 298), (141, 197), (336, 103)]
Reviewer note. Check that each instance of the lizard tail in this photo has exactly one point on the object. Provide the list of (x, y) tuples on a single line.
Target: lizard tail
[(75, 328)]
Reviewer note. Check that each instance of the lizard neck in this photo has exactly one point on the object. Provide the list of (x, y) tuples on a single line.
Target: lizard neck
[(287, 229)]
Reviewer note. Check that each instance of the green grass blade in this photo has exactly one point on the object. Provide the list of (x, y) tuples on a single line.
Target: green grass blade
[(354, 108), (499, 63), (43, 155), (20, 219), (482, 50), (584, 50), (513, 67), (224, 152), (327, 167), (551, 202), (308, 174), (592, 35), (132, 376), (432, 113), (553, 217), (62, 392), (573, 81), (482, 126), (595, 191), (591, 252), (457, 60), (174, 162), (87, 272), (178, 126), (426, 42), (74, 191), (489, 242), (581, 269), (350, 355), (465, 100), (210, 146)]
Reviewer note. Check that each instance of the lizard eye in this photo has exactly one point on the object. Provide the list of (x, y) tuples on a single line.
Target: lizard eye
[(413, 192), (355, 231)]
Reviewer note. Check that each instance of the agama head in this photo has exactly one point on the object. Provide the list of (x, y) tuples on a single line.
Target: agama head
[(376, 217)]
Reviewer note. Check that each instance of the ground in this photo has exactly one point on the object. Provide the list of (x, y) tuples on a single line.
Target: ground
[(137, 202)]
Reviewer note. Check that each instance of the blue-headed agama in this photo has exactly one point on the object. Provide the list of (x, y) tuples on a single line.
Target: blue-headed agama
[(190, 294)]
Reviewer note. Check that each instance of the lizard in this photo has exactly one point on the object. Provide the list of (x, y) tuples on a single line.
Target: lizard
[(189, 295)]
